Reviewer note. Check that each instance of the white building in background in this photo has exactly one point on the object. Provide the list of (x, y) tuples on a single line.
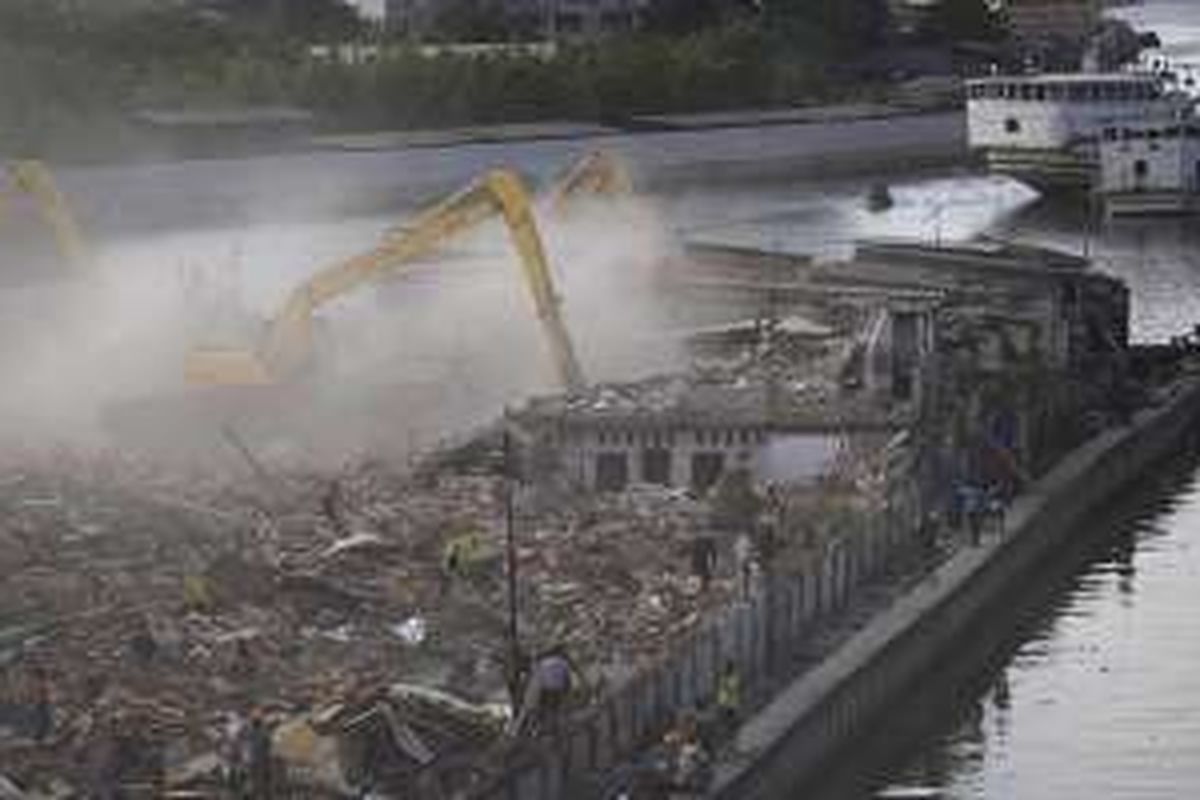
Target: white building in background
[(549, 18), (1046, 128), (1151, 167), (1068, 19)]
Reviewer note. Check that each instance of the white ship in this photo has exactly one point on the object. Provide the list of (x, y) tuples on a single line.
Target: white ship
[(1046, 128), (1151, 166)]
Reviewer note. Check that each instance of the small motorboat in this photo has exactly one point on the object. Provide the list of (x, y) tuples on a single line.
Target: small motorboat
[(879, 198)]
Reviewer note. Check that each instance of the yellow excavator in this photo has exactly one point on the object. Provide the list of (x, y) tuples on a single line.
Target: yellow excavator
[(33, 179), (598, 173), (287, 347)]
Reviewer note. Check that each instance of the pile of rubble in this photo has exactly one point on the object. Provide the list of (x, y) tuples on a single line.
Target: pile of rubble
[(157, 612)]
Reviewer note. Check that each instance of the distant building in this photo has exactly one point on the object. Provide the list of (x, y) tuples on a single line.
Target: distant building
[(540, 18), (595, 17), (410, 17), (908, 16), (1075, 20)]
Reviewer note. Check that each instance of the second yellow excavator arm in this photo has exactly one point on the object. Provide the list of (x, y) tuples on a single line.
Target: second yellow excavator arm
[(288, 342), (34, 179), (599, 173)]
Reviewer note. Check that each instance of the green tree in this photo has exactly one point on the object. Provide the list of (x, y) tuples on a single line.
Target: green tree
[(471, 21), (679, 17), (827, 29), (964, 20)]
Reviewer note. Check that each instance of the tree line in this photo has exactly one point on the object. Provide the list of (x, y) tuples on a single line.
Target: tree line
[(71, 79)]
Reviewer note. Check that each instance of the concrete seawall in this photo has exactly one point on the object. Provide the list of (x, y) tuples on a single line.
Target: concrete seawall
[(812, 719)]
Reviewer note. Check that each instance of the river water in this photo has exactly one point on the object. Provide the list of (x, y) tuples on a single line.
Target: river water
[(1092, 689)]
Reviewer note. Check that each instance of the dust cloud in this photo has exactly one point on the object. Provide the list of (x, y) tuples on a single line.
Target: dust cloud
[(430, 352)]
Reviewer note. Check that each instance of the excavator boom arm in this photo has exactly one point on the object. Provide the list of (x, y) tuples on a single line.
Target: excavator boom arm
[(289, 339), (599, 173), (34, 179)]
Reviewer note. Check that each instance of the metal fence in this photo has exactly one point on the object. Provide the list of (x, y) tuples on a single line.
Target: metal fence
[(760, 634)]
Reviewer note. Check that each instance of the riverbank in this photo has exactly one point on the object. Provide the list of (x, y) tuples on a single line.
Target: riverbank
[(639, 123), (789, 741)]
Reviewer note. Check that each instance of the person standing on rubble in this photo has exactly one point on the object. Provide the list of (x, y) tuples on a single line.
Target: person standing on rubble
[(704, 559), (554, 673), (974, 507), (333, 507), (766, 540), (743, 555), (260, 755), (729, 697), (690, 767), (460, 556), (235, 750), (41, 711)]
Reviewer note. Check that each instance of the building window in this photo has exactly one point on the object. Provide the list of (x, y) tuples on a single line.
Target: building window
[(612, 472), (1012, 125), (707, 469), (656, 466)]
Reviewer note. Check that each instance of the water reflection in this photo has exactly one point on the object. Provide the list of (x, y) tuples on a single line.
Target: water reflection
[(1158, 258), (1095, 695)]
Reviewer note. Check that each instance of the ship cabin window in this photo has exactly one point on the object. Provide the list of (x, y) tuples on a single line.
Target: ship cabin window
[(1171, 133), (1027, 92), (1012, 125), (1140, 169), (1110, 134), (1039, 93)]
